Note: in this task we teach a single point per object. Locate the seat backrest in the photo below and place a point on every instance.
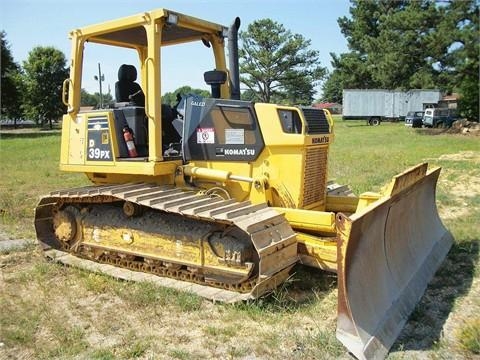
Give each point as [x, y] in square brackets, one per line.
[126, 86]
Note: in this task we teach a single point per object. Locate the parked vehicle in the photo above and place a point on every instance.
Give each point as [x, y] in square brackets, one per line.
[439, 117]
[414, 119]
[378, 105]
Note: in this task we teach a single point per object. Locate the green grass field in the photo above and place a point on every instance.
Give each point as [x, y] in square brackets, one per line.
[50, 311]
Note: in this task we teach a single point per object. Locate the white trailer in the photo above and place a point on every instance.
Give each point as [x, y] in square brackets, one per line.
[376, 105]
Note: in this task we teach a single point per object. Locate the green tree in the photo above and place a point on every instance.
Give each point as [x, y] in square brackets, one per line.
[350, 72]
[399, 56]
[248, 95]
[11, 85]
[407, 45]
[170, 98]
[277, 65]
[44, 72]
[459, 52]
[87, 99]
[388, 47]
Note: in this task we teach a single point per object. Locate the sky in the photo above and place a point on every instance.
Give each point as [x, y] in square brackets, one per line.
[30, 23]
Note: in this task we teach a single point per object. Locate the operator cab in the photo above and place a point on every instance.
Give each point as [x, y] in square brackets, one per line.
[130, 114]
[142, 56]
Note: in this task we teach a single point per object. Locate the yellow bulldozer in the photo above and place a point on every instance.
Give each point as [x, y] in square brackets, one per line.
[222, 197]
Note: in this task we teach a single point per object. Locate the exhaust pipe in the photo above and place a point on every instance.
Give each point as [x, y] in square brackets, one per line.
[233, 59]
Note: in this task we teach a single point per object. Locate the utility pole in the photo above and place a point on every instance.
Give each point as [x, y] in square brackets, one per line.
[100, 78]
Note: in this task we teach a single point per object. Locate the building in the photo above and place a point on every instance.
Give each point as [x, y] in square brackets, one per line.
[334, 108]
[449, 101]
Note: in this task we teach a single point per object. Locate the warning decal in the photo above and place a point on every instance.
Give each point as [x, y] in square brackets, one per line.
[205, 136]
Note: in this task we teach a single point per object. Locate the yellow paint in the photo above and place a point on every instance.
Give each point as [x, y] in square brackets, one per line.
[366, 199]
[168, 249]
[319, 222]
[345, 204]
[317, 252]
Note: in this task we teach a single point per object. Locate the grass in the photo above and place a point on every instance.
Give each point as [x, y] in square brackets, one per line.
[30, 170]
[51, 311]
[366, 157]
[469, 336]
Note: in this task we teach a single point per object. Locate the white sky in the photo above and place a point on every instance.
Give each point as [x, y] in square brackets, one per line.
[30, 23]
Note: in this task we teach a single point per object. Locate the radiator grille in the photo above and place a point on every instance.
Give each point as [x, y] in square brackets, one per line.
[317, 122]
[315, 176]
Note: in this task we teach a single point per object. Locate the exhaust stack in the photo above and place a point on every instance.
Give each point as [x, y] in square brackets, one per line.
[233, 59]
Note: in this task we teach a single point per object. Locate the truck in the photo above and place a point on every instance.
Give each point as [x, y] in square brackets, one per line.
[223, 197]
[377, 105]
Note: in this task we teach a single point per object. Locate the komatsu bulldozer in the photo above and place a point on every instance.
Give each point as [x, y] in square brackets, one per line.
[222, 197]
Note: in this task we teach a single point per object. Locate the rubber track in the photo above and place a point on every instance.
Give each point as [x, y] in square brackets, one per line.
[270, 233]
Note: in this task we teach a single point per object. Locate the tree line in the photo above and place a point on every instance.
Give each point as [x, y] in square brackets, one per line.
[395, 45]
[32, 90]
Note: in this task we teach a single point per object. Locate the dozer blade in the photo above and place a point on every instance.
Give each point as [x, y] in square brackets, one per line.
[387, 254]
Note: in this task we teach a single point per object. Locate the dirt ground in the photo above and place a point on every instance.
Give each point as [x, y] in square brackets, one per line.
[464, 187]
[459, 127]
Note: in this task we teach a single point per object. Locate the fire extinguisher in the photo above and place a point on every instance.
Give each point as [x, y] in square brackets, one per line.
[128, 136]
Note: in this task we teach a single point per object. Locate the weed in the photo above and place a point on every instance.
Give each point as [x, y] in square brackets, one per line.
[102, 354]
[68, 341]
[19, 321]
[180, 354]
[222, 333]
[188, 302]
[469, 335]
[325, 341]
[237, 351]
[137, 349]
[144, 294]
[97, 283]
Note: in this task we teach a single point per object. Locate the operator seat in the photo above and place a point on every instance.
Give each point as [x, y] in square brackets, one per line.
[126, 89]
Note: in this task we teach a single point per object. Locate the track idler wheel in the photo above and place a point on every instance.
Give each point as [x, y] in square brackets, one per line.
[66, 226]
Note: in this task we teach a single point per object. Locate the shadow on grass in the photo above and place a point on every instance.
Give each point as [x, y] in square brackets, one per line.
[452, 280]
[431, 131]
[305, 287]
[356, 125]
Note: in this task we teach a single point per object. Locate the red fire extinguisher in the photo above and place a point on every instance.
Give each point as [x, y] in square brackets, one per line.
[128, 136]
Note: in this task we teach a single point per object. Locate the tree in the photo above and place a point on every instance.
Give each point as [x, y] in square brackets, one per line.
[170, 98]
[350, 72]
[277, 65]
[45, 71]
[459, 53]
[387, 47]
[407, 45]
[11, 90]
[399, 56]
[88, 99]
